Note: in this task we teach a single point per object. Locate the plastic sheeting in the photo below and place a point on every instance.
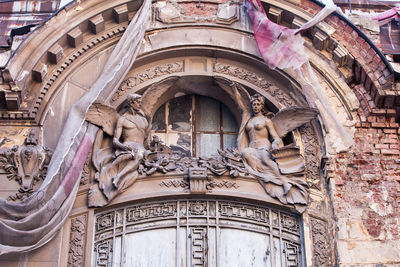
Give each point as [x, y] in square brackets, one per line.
[33, 222]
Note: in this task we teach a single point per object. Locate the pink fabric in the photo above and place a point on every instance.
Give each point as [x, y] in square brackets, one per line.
[74, 171]
[390, 14]
[283, 48]
[278, 45]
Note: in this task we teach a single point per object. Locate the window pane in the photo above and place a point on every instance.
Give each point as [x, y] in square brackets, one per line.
[229, 140]
[158, 122]
[238, 248]
[160, 252]
[207, 144]
[207, 114]
[179, 114]
[228, 121]
[180, 142]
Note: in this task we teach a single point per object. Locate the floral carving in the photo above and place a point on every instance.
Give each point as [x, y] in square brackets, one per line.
[321, 245]
[311, 150]
[253, 78]
[146, 75]
[77, 241]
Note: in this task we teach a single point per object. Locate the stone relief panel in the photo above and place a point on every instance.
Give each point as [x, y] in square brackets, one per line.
[282, 174]
[172, 12]
[313, 159]
[261, 153]
[25, 164]
[77, 243]
[148, 74]
[321, 246]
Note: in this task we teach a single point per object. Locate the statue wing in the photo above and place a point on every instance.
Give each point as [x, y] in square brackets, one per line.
[288, 119]
[103, 116]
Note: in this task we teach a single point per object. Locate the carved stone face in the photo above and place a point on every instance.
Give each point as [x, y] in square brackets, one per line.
[256, 106]
[136, 103]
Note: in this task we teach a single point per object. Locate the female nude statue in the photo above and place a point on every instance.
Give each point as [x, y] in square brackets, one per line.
[261, 134]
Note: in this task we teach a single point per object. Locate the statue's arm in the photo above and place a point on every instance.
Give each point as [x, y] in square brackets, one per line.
[118, 133]
[276, 140]
[238, 97]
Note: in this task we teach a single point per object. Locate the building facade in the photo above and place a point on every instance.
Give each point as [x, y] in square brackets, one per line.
[198, 190]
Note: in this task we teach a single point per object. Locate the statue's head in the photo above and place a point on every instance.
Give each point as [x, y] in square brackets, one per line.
[134, 101]
[257, 103]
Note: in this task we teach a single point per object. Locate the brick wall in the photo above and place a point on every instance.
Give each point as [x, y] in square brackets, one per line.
[366, 191]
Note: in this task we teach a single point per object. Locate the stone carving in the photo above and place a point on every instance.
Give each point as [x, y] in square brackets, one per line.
[263, 152]
[116, 166]
[77, 241]
[171, 12]
[311, 149]
[222, 184]
[253, 78]
[146, 75]
[226, 162]
[210, 184]
[85, 176]
[26, 164]
[321, 251]
[260, 153]
[175, 183]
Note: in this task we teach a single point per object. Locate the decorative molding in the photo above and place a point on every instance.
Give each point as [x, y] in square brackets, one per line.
[210, 185]
[77, 241]
[173, 13]
[53, 76]
[85, 176]
[312, 156]
[175, 183]
[221, 184]
[198, 246]
[148, 74]
[256, 80]
[321, 247]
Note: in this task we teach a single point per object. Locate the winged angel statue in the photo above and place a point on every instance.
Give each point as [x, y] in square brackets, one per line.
[116, 165]
[260, 143]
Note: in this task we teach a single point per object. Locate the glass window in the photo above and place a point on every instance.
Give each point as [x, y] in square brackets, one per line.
[195, 126]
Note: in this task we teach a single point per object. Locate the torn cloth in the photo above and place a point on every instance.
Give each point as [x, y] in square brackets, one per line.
[283, 48]
[33, 222]
[387, 16]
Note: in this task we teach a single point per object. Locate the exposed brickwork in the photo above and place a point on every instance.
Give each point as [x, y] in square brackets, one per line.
[368, 178]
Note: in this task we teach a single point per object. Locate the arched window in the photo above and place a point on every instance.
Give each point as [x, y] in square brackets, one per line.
[195, 125]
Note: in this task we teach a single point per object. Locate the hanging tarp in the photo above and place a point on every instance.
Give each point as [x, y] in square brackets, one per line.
[283, 48]
[31, 223]
[389, 30]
